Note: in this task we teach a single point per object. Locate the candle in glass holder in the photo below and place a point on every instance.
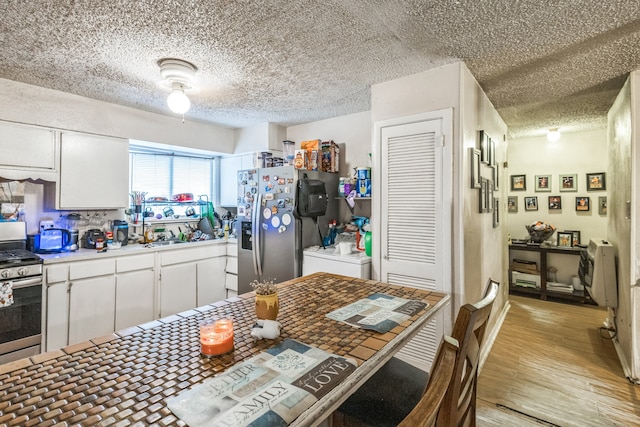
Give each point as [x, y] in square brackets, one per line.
[216, 336]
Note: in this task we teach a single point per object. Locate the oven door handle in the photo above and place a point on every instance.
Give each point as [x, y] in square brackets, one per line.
[23, 283]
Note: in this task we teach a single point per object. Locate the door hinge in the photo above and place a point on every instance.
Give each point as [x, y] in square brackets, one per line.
[440, 140]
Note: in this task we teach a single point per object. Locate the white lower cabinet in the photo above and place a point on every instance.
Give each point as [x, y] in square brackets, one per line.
[91, 298]
[191, 277]
[231, 270]
[92, 308]
[80, 301]
[135, 290]
[211, 280]
[178, 288]
[56, 278]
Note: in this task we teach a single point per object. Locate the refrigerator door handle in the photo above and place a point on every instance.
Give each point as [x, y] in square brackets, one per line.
[255, 234]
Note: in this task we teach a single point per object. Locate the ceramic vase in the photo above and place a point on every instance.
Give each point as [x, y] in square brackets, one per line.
[267, 306]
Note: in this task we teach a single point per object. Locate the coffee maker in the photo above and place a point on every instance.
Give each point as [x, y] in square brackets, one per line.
[120, 232]
[74, 241]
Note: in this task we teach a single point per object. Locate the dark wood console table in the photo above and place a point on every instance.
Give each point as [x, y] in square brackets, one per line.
[577, 295]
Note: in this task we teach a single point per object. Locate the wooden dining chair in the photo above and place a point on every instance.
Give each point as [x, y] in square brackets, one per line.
[424, 412]
[396, 389]
[459, 406]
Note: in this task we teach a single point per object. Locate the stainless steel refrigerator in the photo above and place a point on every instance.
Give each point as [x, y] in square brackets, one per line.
[271, 237]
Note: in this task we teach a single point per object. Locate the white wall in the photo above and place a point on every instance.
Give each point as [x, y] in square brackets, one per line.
[575, 153]
[634, 260]
[623, 128]
[483, 247]
[30, 104]
[352, 133]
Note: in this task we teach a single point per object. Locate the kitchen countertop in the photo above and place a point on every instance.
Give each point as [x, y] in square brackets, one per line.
[130, 249]
[126, 378]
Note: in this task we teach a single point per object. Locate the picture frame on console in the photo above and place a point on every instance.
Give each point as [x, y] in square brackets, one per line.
[565, 239]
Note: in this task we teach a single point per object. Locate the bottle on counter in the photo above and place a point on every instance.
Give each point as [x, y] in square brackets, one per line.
[332, 232]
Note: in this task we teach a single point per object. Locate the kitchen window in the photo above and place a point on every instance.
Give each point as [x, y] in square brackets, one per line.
[165, 174]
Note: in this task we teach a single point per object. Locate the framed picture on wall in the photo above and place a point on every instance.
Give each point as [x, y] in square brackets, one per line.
[543, 182]
[492, 153]
[596, 181]
[495, 173]
[565, 239]
[582, 204]
[602, 205]
[518, 182]
[569, 182]
[475, 167]
[489, 196]
[531, 203]
[484, 147]
[496, 213]
[482, 196]
[512, 204]
[555, 203]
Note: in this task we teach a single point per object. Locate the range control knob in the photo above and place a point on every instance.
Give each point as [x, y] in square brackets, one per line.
[22, 271]
[5, 274]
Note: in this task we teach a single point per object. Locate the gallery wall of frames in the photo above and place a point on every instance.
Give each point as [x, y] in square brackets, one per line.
[561, 183]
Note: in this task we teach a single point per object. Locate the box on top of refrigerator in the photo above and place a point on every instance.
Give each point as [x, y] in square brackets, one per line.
[311, 159]
[330, 159]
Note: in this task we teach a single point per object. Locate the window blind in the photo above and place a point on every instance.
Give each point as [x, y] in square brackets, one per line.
[162, 175]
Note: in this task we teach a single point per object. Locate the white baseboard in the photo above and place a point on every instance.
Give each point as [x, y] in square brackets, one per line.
[491, 338]
[626, 368]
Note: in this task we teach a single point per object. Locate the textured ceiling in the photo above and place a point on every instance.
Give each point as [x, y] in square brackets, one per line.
[544, 63]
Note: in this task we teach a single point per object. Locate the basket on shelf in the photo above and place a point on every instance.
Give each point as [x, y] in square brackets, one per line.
[540, 231]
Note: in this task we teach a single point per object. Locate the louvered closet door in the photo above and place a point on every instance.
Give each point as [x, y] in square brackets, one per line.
[414, 252]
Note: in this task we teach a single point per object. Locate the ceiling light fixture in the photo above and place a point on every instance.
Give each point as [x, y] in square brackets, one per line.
[553, 135]
[177, 101]
[178, 75]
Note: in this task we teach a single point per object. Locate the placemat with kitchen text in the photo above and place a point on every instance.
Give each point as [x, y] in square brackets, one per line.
[378, 312]
[270, 389]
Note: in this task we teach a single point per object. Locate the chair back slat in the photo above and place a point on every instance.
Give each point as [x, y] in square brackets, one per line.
[459, 404]
[425, 412]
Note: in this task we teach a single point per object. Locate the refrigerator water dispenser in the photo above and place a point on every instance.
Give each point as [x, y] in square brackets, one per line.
[246, 235]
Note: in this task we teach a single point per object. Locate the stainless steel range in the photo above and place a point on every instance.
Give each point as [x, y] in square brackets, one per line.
[20, 295]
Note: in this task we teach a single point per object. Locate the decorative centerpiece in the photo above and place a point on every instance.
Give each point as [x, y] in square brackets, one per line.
[540, 231]
[267, 305]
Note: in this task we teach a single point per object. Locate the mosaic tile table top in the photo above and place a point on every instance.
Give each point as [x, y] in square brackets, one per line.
[125, 378]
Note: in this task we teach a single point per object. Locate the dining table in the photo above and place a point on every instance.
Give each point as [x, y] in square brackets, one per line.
[131, 376]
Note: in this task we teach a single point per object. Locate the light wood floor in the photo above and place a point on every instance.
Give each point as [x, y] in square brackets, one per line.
[549, 367]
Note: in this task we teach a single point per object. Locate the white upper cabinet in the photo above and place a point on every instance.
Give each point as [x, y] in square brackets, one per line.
[94, 172]
[27, 152]
[229, 167]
